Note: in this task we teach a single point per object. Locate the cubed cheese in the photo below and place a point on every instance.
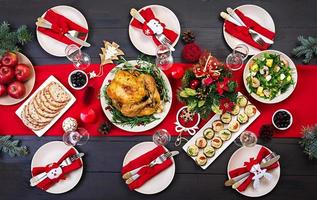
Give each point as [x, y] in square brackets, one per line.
[269, 62]
[282, 76]
[268, 78]
[259, 91]
[255, 67]
[289, 78]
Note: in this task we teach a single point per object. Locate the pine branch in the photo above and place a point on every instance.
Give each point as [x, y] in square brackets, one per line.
[307, 48]
[12, 147]
[13, 40]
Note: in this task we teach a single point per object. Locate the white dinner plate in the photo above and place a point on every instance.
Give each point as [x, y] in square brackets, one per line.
[145, 43]
[257, 14]
[159, 182]
[55, 47]
[52, 152]
[140, 128]
[280, 97]
[243, 155]
[7, 100]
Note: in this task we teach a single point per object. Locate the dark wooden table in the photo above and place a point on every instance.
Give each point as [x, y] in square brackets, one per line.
[101, 179]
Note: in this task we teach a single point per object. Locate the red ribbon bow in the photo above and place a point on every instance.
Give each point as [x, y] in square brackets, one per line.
[148, 15]
[60, 26]
[47, 182]
[146, 173]
[242, 32]
[247, 167]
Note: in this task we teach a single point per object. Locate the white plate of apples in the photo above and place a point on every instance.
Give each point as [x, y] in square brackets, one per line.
[17, 78]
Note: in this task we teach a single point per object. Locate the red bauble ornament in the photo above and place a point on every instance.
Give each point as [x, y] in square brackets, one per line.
[194, 84]
[88, 115]
[177, 72]
[191, 52]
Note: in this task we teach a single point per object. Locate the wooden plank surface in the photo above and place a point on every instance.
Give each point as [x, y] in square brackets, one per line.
[109, 20]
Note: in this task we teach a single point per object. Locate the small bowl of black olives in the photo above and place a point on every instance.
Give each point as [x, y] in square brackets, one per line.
[78, 79]
[282, 119]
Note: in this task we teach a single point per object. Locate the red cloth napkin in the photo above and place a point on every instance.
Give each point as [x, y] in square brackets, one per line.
[243, 34]
[247, 167]
[47, 183]
[60, 26]
[148, 14]
[146, 173]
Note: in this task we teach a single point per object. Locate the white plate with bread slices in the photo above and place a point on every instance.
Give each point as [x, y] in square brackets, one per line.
[45, 106]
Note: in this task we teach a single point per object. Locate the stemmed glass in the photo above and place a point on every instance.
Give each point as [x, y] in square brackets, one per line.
[164, 58]
[76, 137]
[234, 60]
[79, 59]
[246, 139]
[161, 137]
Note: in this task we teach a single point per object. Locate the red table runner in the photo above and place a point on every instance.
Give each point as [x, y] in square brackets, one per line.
[301, 104]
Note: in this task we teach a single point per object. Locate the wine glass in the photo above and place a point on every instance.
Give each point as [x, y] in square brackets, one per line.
[246, 139]
[161, 137]
[164, 58]
[79, 59]
[76, 137]
[234, 60]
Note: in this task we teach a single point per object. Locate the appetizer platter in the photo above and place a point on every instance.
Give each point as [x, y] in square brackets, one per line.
[17, 78]
[46, 105]
[270, 76]
[220, 131]
[136, 96]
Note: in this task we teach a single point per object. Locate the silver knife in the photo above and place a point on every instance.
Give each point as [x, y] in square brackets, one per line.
[135, 174]
[40, 177]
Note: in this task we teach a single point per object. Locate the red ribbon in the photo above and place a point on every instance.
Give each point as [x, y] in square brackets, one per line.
[148, 14]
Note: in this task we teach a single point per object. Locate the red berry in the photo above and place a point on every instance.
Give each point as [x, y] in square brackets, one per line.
[194, 84]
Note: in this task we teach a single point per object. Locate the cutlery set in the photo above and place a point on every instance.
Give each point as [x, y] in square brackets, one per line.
[68, 161]
[232, 17]
[73, 35]
[266, 162]
[132, 175]
[160, 37]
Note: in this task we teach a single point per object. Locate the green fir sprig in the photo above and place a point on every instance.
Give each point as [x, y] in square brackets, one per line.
[307, 48]
[13, 40]
[12, 147]
[309, 141]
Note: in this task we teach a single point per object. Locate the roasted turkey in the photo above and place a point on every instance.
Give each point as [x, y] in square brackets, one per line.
[135, 94]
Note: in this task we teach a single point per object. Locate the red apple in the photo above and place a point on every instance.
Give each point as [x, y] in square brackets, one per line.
[6, 74]
[88, 115]
[16, 90]
[3, 90]
[22, 72]
[9, 59]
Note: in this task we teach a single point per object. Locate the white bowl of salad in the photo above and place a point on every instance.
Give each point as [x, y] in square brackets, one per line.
[270, 76]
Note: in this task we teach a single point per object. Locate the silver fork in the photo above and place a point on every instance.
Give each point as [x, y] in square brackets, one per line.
[159, 160]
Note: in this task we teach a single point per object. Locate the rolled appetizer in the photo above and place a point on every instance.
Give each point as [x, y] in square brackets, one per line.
[225, 135]
[216, 142]
[201, 160]
[243, 118]
[209, 133]
[250, 110]
[226, 118]
[234, 126]
[201, 142]
[217, 125]
[242, 101]
[192, 150]
[235, 110]
[209, 151]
